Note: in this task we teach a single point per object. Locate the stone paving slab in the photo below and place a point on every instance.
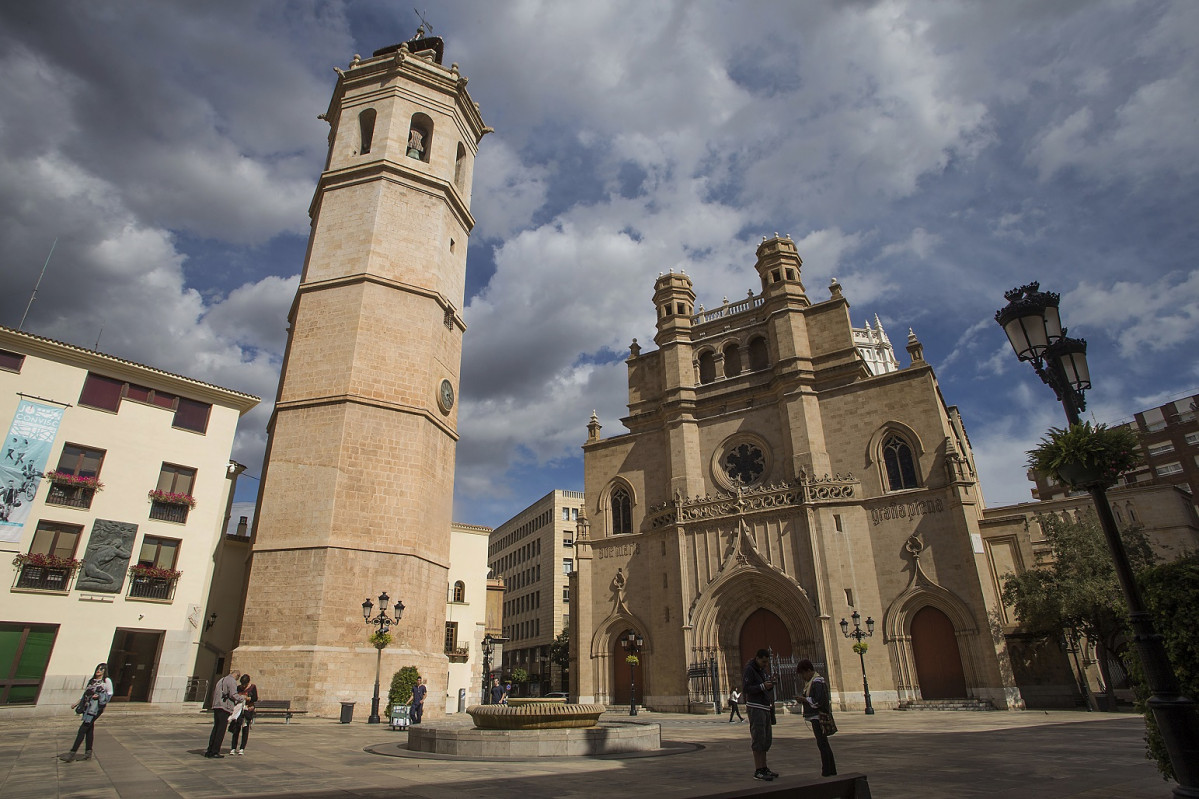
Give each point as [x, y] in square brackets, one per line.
[930, 755]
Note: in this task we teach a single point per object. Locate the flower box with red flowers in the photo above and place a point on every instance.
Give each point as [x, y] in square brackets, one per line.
[69, 480]
[45, 561]
[154, 572]
[171, 498]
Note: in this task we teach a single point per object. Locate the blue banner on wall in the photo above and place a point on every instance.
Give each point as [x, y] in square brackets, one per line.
[22, 460]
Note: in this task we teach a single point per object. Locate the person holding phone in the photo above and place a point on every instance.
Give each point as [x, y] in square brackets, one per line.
[758, 688]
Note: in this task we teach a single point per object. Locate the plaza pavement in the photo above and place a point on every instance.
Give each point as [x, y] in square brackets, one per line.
[931, 755]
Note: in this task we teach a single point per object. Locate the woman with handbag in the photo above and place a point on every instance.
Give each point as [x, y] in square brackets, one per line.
[818, 710]
[96, 694]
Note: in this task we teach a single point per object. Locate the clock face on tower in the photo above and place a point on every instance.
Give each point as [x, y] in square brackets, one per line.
[445, 396]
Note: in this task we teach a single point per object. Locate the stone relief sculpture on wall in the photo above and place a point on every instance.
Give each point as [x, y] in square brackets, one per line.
[107, 556]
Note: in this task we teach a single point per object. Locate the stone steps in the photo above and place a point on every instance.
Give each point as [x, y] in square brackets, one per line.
[945, 704]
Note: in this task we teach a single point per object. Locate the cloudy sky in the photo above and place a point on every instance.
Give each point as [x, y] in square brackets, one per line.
[929, 155]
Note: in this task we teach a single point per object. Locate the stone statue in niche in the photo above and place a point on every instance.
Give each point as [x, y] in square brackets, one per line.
[107, 556]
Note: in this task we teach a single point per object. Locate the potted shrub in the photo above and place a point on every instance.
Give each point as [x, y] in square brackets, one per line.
[172, 498]
[154, 572]
[45, 561]
[68, 480]
[1083, 456]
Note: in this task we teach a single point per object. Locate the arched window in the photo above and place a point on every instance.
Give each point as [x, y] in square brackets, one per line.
[759, 357]
[459, 591]
[622, 512]
[460, 166]
[900, 464]
[707, 367]
[732, 360]
[366, 126]
[1132, 514]
[420, 137]
[1118, 514]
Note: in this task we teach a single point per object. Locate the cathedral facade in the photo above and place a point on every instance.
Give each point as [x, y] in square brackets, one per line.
[780, 472]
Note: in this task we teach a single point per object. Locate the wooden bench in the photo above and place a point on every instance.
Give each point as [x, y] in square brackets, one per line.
[275, 708]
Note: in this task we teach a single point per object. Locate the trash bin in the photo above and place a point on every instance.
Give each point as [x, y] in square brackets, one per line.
[347, 712]
[461, 700]
[400, 717]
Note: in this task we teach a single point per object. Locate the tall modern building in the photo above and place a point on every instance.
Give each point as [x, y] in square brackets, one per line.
[534, 554]
[1169, 436]
[779, 472]
[357, 489]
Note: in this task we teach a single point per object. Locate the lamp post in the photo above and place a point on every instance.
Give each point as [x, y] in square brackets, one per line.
[860, 648]
[489, 642]
[632, 644]
[1034, 329]
[383, 622]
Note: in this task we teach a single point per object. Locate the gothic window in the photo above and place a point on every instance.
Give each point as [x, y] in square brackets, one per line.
[900, 464]
[759, 357]
[420, 137]
[366, 124]
[707, 367]
[459, 591]
[744, 464]
[622, 512]
[732, 360]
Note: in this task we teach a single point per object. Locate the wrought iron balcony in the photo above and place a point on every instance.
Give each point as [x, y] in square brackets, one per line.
[142, 586]
[169, 512]
[70, 496]
[44, 578]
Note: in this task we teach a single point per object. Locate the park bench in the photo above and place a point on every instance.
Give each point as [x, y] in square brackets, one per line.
[275, 708]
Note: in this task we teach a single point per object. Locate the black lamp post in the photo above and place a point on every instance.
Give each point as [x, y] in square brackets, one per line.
[632, 644]
[383, 622]
[858, 635]
[489, 642]
[1034, 328]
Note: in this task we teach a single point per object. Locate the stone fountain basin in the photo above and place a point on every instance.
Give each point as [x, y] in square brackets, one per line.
[535, 714]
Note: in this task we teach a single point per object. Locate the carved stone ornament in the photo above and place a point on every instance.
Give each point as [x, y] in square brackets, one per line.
[107, 558]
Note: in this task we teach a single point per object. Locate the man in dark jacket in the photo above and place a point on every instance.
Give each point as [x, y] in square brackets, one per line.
[224, 699]
[758, 688]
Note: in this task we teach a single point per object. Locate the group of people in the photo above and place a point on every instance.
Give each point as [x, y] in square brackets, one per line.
[233, 701]
[235, 695]
[757, 693]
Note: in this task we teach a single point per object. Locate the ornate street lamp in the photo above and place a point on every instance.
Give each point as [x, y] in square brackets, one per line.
[632, 644]
[1033, 326]
[860, 648]
[489, 642]
[380, 639]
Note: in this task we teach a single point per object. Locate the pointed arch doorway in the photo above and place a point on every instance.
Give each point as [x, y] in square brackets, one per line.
[623, 674]
[938, 659]
[763, 630]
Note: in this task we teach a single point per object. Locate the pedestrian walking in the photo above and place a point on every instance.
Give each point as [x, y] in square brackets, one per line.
[224, 701]
[96, 693]
[240, 722]
[419, 691]
[818, 711]
[498, 696]
[734, 698]
[758, 687]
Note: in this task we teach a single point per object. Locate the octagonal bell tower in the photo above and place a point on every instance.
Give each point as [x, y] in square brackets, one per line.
[357, 489]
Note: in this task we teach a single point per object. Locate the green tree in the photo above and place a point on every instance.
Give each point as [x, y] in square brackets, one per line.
[560, 655]
[1078, 592]
[402, 683]
[1171, 594]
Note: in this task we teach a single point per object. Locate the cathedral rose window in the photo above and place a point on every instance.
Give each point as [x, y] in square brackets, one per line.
[743, 460]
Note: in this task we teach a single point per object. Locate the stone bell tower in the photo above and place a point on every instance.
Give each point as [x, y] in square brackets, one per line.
[357, 489]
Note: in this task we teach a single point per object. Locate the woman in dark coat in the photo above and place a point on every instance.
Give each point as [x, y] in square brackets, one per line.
[817, 700]
[96, 694]
[247, 696]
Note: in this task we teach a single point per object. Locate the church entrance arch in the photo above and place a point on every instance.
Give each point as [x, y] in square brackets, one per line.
[937, 658]
[623, 674]
[764, 630]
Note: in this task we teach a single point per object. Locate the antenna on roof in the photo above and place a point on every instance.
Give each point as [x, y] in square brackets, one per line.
[33, 296]
[425, 28]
